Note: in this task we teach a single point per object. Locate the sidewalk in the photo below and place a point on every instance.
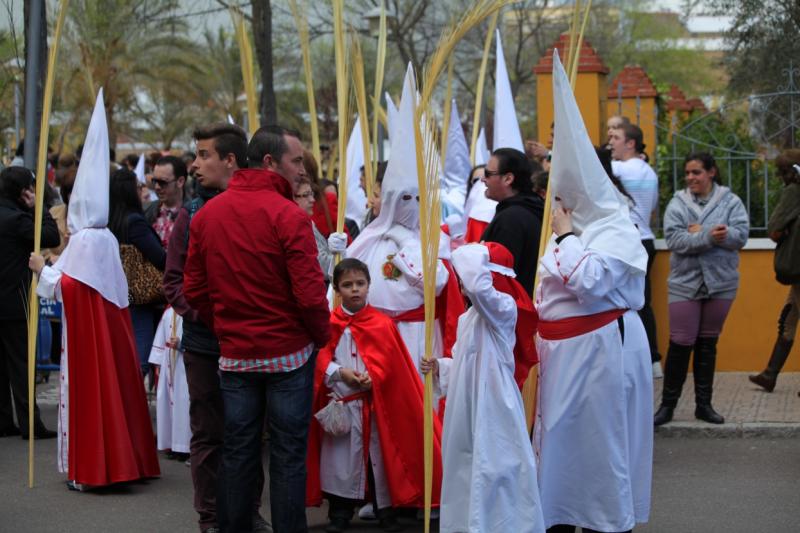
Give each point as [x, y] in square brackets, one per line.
[748, 410]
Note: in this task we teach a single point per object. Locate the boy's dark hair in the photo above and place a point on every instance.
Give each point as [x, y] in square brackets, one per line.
[228, 139]
[13, 180]
[515, 162]
[349, 265]
[268, 140]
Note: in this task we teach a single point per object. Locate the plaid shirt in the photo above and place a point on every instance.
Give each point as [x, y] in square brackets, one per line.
[268, 365]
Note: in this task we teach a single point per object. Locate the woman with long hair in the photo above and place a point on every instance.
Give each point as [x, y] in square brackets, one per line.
[126, 221]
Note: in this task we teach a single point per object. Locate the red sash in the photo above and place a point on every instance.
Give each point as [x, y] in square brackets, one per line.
[415, 315]
[567, 328]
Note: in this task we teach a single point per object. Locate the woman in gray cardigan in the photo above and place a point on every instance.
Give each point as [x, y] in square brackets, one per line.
[705, 225]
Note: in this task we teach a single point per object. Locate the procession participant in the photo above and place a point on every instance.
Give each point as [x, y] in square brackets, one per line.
[378, 455]
[391, 248]
[490, 480]
[105, 434]
[172, 393]
[594, 421]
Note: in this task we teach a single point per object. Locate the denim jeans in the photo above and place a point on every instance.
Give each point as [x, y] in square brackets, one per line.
[143, 332]
[285, 399]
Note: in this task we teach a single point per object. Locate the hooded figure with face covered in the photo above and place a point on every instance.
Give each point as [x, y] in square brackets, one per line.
[594, 425]
[391, 247]
[105, 434]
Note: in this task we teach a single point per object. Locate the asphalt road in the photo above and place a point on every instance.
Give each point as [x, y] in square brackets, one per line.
[699, 486]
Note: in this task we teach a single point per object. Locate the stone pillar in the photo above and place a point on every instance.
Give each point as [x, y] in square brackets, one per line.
[590, 90]
[632, 94]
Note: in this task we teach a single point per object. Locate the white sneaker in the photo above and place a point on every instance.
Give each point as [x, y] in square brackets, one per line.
[367, 512]
[657, 372]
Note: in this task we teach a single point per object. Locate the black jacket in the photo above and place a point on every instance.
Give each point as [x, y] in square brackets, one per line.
[517, 225]
[16, 245]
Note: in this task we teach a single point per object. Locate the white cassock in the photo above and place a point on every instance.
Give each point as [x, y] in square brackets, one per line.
[489, 472]
[49, 286]
[395, 268]
[172, 394]
[594, 427]
[342, 468]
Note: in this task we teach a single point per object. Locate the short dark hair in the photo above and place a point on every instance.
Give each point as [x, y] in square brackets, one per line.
[381, 172]
[708, 162]
[228, 139]
[268, 140]
[177, 164]
[632, 132]
[349, 265]
[515, 162]
[13, 180]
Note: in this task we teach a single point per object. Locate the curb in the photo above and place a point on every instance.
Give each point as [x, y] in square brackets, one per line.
[728, 431]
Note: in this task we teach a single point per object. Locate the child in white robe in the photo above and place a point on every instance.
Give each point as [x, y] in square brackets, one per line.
[172, 394]
[489, 471]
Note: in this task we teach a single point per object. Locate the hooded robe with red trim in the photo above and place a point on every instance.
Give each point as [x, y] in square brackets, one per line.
[396, 405]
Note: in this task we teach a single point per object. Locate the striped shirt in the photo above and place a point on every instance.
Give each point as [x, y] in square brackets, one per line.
[269, 364]
[641, 183]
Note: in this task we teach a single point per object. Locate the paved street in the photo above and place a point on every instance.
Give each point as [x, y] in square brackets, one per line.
[701, 484]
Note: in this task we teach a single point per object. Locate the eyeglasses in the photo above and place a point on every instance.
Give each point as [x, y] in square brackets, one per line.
[309, 194]
[408, 197]
[489, 173]
[160, 182]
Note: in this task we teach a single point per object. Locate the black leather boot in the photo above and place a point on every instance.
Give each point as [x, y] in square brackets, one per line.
[766, 379]
[675, 368]
[705, 360]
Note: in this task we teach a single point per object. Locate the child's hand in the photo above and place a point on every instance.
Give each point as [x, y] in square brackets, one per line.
[366, 381]
[173, 342]
[36, 263]
[429, 365]
[351, 377]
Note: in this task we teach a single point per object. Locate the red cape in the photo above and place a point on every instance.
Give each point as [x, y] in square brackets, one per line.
[451, 303]
[475, 229]
[110, 432]
[397, 405]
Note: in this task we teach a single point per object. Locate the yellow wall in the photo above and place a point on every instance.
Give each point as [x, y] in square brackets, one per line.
[751, 327]
[590, 93]
[647, 118]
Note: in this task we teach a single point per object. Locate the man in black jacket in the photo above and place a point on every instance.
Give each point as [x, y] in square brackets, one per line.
[16, 243]
[517, 223]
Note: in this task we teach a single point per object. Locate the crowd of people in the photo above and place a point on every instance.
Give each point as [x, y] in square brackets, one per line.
[213, 279]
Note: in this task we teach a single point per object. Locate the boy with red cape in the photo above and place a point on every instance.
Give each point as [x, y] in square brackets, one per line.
[105, 434]
[366, 366]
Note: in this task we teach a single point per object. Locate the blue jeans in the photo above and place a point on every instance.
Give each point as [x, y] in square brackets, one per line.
[285, 399]
[143, 332]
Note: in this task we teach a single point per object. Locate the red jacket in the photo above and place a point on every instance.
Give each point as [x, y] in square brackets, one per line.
[252, 271]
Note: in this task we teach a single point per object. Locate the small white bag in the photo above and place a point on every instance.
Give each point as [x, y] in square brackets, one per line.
[334, 418]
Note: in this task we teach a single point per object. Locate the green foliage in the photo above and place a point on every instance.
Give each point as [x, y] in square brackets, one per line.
[725, 136]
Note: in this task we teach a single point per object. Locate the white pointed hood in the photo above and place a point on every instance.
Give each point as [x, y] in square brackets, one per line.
[400, 178]
[92, 253]
[481, 150]
[600, 215]
[391, 116]
[456, 164]
[139, 170]
[88, 205]
[478, 207]
[356, 198]
[506, 126]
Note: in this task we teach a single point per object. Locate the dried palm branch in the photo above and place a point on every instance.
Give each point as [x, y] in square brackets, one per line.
[301, 22]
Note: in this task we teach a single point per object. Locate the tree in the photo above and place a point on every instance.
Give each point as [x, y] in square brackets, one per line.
[763, 38]
[124, 46]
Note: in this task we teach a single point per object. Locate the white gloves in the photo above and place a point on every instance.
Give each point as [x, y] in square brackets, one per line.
[337, 242]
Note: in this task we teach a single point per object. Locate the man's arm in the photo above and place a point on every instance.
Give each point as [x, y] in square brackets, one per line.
[195, 279]
[176, 260]
[305, 275]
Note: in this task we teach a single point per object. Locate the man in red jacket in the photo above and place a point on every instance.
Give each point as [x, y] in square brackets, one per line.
[253, 276]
